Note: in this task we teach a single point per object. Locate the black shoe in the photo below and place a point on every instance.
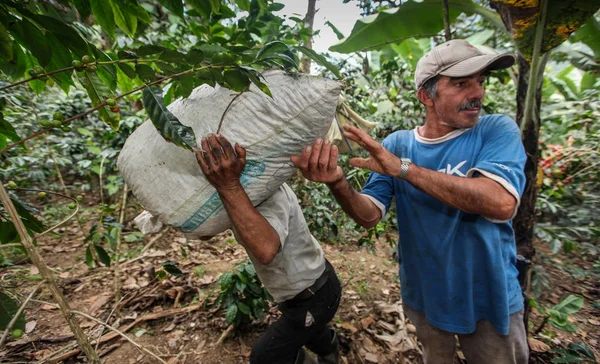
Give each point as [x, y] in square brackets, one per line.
[303, 358]
[334, 351]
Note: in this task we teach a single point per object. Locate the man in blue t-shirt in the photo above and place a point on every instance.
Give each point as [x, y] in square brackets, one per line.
[457, 182]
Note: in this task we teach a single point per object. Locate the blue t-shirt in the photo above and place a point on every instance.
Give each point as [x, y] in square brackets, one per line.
[457, 267]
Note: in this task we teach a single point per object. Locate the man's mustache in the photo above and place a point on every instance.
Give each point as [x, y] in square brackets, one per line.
[470, 105]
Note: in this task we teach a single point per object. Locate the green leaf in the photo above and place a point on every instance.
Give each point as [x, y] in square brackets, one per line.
[145, 72]
[276, 7]
[103, 13]
[127, 70]
[255, 77]
[89, 258]
[65, 33]
[410, 20]
[215, 6]
[6, 49]
[570, 305]
[236, 80]
[201, 6]
[231, 314]
[7, 129]
[86, 132]
[96, 90]
[25, 212]
[8, 233]
[34, 40]
[337, 32]
[147, 50]
[243, 4]
[273, 47]
[171, 268]
[124, 20]
[83, 8]
[175, 6]
[165, 122]
[8, 309]
[320, 60]
[102, 255]
[61, 58]
[106, 72]
[15, 68]
[244, 308]
[226, 281]
[134, 8]
[568, 358]
[589, 33]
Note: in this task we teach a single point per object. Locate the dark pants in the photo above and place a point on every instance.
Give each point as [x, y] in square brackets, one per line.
[283, 340]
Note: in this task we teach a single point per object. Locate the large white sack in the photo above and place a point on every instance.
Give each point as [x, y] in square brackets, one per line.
[167, 179]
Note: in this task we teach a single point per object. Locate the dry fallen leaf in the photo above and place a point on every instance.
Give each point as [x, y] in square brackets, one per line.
[594, 322]
[348, 326]
[34, 270]
[30, 326]
[538, 346]
[371, 358]
[48, 308]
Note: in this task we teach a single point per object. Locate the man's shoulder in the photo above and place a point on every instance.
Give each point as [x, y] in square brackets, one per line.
[498, 122]
[398, 136]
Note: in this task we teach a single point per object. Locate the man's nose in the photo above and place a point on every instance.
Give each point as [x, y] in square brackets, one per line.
[477, 91]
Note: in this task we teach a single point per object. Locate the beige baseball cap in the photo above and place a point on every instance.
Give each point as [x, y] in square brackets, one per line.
[458, 58]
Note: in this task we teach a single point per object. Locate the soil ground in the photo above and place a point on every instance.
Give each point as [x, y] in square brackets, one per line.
[369, 320]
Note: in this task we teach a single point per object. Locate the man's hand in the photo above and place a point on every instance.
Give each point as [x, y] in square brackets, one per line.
[381, 161]
[318, 163]
[221, 166]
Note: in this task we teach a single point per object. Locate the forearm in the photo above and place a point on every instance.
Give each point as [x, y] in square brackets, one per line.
[481, 196]
[359, 207]
[256, 232]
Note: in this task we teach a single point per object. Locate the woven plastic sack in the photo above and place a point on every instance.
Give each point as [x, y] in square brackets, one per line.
[167, 179]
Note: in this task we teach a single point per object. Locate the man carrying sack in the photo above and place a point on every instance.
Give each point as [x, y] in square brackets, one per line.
[457, 182]
[287, 258]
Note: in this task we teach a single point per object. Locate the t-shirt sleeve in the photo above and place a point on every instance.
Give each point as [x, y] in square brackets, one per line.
[380, 188]
[502, 158]
[276, 210]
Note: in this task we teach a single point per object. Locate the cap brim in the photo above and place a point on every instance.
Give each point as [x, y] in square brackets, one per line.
[477, 64]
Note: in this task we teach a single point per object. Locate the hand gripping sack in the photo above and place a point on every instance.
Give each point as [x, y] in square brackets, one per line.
[167, 179]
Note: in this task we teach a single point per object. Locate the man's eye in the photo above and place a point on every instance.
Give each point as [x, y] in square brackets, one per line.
[460, 84]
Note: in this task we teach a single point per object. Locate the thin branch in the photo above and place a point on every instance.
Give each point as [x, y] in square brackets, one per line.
[120, 333]
[44, 75]
[446, 20]
[99, 106]
[118, 245]
[48, 276]
[11, 245]
[8, 328]
[229, 106]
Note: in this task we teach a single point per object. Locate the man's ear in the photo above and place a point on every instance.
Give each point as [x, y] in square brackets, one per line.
[424, 97]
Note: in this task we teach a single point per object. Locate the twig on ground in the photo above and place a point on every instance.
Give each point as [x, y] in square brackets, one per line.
[120, 333]
[112, 335]
[8, 328]
[224, 335]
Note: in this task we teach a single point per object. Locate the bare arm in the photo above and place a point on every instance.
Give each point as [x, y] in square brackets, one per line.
[222, 168]
[318, 163]
[482, 195]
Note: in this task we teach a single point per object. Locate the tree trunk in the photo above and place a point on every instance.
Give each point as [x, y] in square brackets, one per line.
[309, 21]
[526, 216]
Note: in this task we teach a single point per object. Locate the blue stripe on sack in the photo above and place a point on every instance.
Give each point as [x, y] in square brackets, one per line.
[214, 205]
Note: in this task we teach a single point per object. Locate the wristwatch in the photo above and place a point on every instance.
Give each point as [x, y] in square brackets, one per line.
[405, 163]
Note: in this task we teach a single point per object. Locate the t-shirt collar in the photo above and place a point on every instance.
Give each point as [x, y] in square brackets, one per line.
[449, 136]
